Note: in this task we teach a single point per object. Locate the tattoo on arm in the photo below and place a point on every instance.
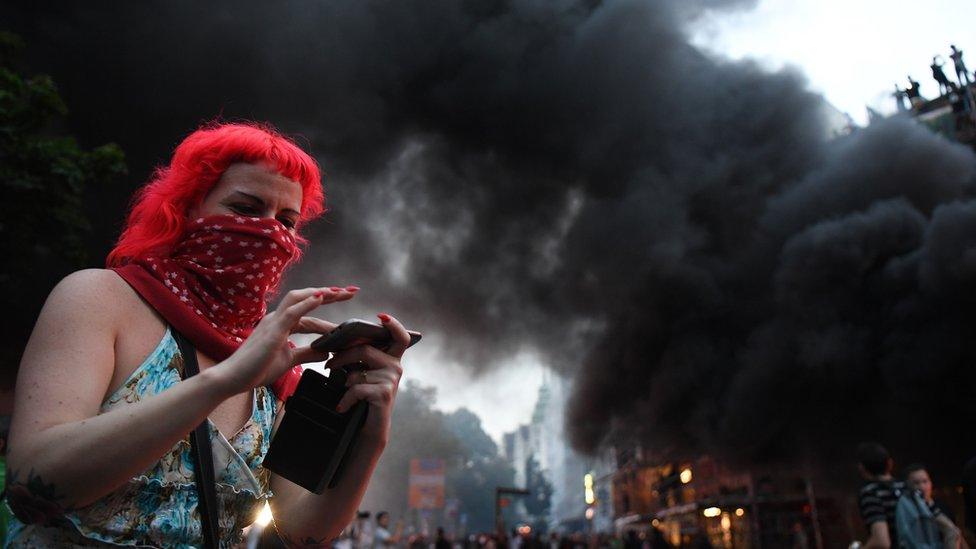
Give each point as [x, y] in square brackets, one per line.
[32, 500]
[307, 542]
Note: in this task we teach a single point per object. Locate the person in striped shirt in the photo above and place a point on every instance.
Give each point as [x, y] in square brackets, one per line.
[878, 497]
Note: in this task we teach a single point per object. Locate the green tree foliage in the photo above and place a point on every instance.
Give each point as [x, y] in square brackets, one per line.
[474, 480]
[417, 432]
[43, 223]
[474, 467]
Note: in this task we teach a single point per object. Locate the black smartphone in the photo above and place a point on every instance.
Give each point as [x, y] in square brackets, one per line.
[358, 332]
[312, 441]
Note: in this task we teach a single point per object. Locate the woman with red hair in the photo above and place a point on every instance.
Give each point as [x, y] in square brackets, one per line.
[99, 451]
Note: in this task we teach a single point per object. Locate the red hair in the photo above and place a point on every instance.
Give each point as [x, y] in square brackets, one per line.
[158, 215]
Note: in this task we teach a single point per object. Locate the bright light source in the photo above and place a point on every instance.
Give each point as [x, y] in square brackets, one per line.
[589, 513]
[589, 496]
[712, 512]
[525, 530]
[685, 476]
[264, 517]
[740, 511]
[655, 522]
[726, 522]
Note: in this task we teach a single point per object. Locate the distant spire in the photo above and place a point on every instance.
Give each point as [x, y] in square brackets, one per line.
[539, 413]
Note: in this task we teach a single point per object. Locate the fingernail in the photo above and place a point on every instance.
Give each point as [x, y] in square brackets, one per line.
[335, 288]
[339, 408]
[383, 317]
[352, 288]
[318, 294]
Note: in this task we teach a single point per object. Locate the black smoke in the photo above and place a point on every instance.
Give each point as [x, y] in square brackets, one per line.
[672, 228]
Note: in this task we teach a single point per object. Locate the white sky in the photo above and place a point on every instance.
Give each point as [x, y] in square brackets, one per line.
[852, 51]
[503, 398]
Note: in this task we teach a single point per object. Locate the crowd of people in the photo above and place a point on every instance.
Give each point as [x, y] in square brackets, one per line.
[380, 534]
[897, 512]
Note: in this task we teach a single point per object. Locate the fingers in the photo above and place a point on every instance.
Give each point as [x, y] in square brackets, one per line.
[370, 357]
[357, 377]
[401, 339]
[289, 316]
[312, 325]
[296, 296]
[329, 295]
[306, 354]
[380, 394]
[297, 303]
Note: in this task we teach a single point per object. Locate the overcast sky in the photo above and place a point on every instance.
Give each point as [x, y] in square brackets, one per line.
[852, 51]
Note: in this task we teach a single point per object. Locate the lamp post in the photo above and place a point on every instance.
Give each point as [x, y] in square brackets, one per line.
[499, 492]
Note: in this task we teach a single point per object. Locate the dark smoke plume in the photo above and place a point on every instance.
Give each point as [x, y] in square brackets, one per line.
[575, 177]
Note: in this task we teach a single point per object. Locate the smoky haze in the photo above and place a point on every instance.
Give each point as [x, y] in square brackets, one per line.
[673, 229]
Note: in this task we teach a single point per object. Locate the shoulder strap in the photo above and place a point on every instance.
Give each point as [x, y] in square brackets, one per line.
[203, 465]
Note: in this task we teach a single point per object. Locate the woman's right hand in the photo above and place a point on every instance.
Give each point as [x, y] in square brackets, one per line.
[266, 353]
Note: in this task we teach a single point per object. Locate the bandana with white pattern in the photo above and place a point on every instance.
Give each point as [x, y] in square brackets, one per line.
[224, 270]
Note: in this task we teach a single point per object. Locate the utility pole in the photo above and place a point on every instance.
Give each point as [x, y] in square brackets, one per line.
[814, 516]
[499, 492]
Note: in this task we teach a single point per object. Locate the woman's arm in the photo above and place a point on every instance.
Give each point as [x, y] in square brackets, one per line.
[304, 519]
[64, 454]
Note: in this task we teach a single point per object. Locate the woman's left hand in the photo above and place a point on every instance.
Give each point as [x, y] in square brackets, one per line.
[377, 379]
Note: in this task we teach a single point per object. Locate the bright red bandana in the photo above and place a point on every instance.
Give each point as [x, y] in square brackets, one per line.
[214, 286]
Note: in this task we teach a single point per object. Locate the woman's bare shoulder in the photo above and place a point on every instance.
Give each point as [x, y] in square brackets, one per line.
[93, 280]
[91, 291]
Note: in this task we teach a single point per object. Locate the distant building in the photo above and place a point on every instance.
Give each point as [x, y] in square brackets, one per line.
[688, 500]
[544, 439]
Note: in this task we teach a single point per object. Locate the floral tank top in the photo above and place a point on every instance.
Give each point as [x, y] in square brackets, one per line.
[158, 508]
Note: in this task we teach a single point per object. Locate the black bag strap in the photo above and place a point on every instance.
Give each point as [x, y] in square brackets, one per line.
[203, 465]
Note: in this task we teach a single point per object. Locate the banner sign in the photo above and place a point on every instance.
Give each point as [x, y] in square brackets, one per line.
[426, 483]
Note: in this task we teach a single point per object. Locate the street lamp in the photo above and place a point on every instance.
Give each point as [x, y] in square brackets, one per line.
[589, 496]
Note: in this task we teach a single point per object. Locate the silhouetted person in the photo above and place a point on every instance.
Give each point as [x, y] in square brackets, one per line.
[940, 75]
[913, 92]
[900, 96]
[961, 73]
[800, 538]
[878, 497]
[657, 540]
[969, 493]
[441, 542]
[382, 537]
[632, 541]
[701, 541]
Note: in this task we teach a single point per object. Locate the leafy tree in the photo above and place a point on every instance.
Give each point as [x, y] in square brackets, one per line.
[475, 480]
[43, 177]
[417, 432]
[466, 426]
